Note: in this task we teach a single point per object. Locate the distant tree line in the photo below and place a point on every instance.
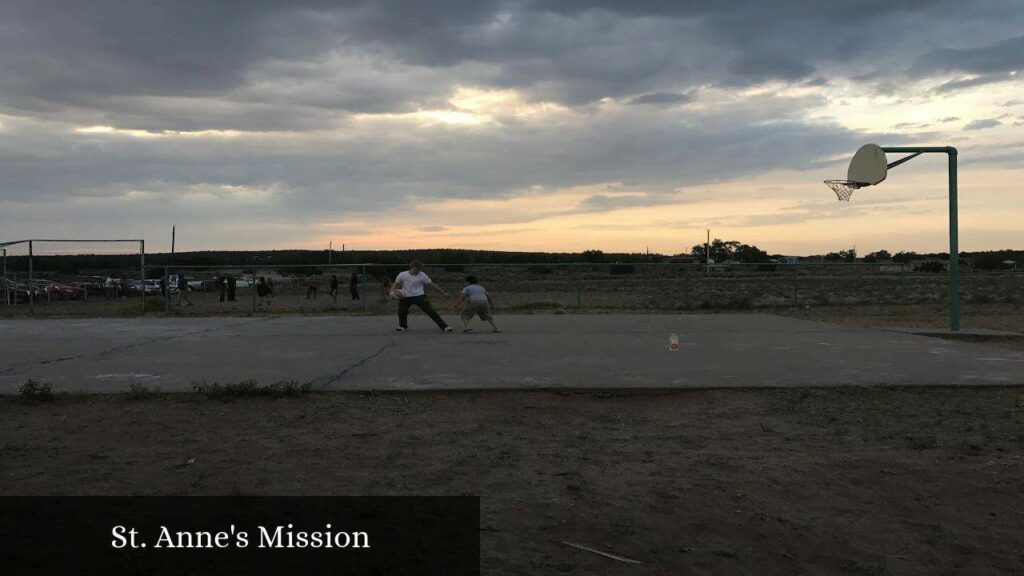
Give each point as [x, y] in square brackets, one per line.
[279, 260]
[728, 251]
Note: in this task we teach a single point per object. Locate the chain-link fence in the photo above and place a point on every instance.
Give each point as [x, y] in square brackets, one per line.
[73, 276]
[362, 288]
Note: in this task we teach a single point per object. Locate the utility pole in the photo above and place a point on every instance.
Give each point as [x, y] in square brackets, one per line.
[330, 252]
[707, 254]
[167, 273]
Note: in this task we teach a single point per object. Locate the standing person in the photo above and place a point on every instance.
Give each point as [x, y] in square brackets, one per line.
[263, 290]
[353, 285]
[232, 286]
[412, 284]
[478, 303]
[334, 287]
[222, 287]
[124, 285]
[183, 290]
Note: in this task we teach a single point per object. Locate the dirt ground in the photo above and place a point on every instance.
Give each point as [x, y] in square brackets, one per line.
[840, 481]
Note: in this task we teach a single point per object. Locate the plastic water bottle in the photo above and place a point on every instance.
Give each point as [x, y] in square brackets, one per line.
[673, 342]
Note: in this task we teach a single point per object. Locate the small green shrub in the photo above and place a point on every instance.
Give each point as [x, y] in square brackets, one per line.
[137, 391]
[35, 392]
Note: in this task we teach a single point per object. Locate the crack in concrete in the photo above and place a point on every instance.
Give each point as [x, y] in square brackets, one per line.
[14, 368]
[325, 381]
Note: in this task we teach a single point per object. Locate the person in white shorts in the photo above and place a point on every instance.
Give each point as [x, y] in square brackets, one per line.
[478, 303]
[413, 283]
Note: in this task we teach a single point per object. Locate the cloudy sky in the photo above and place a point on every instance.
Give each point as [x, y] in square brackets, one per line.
[508, 124]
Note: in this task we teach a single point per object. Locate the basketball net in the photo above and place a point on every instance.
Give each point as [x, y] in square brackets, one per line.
[844, 188]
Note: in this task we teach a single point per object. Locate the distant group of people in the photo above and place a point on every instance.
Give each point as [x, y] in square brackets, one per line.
[409, 288]
[353, 287]
[227, 286]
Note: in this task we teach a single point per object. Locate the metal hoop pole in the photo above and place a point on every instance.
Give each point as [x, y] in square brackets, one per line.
[31, 292]
[142, 273]
[954, 251]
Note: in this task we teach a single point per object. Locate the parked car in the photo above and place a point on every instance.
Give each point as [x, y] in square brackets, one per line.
[193, 284]
[50, 290]
[17, 292]
[93, 285]
[149, 286]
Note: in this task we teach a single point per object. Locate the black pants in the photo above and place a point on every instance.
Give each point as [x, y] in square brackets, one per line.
[421, 301]
[354, 290]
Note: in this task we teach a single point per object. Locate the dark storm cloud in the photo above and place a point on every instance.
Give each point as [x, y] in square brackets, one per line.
[62, 51]
[293, 77]
[662, 98]
[1001, 57]
[80, 54]
[997, 62]
[603, 202]
[957, 85]
[982, 123]
[370, 170]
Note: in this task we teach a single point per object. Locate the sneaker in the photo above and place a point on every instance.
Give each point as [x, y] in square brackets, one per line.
[496, 331]
[447, 329]
[400, 329]
[467, 330]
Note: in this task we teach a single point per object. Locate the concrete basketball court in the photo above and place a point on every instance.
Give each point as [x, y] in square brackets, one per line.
[534, 351]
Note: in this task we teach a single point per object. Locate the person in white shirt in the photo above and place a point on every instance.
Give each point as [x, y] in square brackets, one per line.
[478, 303]
[412, 284]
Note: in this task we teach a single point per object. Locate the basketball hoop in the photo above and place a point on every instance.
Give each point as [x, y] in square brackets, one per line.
[867, 168]
[844, 188]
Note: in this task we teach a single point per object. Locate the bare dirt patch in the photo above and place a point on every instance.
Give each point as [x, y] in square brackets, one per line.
[849, 481]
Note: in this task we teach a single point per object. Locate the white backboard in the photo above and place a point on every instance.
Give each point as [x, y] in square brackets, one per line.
[868, 165]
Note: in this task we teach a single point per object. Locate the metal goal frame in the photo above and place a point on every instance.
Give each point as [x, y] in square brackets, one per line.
[33, 241]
